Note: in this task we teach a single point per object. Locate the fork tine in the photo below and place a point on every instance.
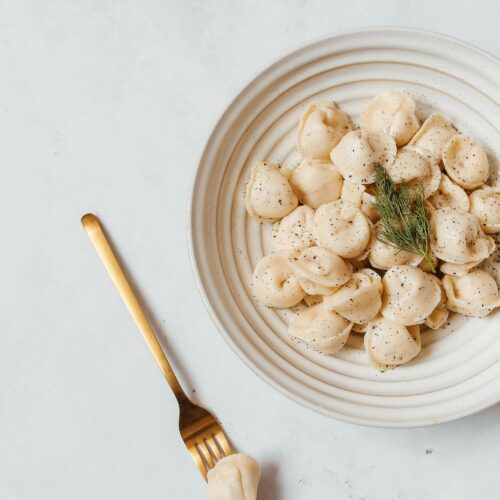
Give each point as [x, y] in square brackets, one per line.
[221, 439]
[213, 449]
[205, 454]
[198, 460]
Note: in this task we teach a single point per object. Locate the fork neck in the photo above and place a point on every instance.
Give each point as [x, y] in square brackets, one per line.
[174, 384]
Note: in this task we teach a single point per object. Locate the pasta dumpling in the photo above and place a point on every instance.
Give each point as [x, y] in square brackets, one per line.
[360, 195]
[320, 129]
[391, 112]
[379, 251]
[492, 266]
[321, 328]
[234, 477]
[360, 299]
[457, 238]
[312, 288]
[475, 294]
[384, 256]
[319, 270]
[269, 195]
[485, 205]
[295, 229]
[439, 316]
[316, 182]
[312, 300]
[465, 162]
[432, 136]
[390, 344]
[357, 153]
[458, 269]
[274, 283]
[415, 170]
[410, 295]
[342, 227]
[450, 195]
[358, 328]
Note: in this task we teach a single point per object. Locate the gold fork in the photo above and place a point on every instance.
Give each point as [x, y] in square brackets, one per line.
[200, 431]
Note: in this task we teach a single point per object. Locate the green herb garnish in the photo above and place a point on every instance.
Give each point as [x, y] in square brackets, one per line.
[403, 218]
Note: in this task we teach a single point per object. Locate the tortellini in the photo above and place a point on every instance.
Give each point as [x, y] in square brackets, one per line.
[312, 288]
[432, 137]
[358, 328]
[360, 299]
[391, 112]
[475, 294]
[316, 182]
[274, 283]
[358, 152]
[415, 170]
[320, 129]
[235, 477]
[485, 205]
[492, 266]
[465, 162]
[321, 328]
[360, 195]
[319, 270]
[410, 295]
[269, 195]
[295, 229]
[384, 256]
[439, 316]
[458, 269]
[328, 261]
[457, 238]
[450, 195]
[343, 228]
[312, 300]
[389, 344]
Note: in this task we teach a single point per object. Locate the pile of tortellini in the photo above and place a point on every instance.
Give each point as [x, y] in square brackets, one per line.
[325, 228]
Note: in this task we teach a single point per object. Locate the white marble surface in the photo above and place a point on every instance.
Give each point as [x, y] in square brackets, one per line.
[105, 106]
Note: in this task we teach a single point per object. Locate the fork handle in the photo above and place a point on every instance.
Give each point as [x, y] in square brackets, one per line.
[94, 231]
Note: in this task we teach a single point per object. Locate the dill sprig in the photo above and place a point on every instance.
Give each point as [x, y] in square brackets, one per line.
[403, 218]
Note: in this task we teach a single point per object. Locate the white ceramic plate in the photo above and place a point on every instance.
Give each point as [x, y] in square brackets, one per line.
[458, 371]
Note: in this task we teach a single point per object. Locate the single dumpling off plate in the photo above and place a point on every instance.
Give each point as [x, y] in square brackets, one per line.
[458, 370]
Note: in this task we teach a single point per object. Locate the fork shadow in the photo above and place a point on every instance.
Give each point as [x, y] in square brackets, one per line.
[182, 374]
[270, 483]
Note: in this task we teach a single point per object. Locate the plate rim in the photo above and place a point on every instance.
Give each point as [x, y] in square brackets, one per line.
[194, 252]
